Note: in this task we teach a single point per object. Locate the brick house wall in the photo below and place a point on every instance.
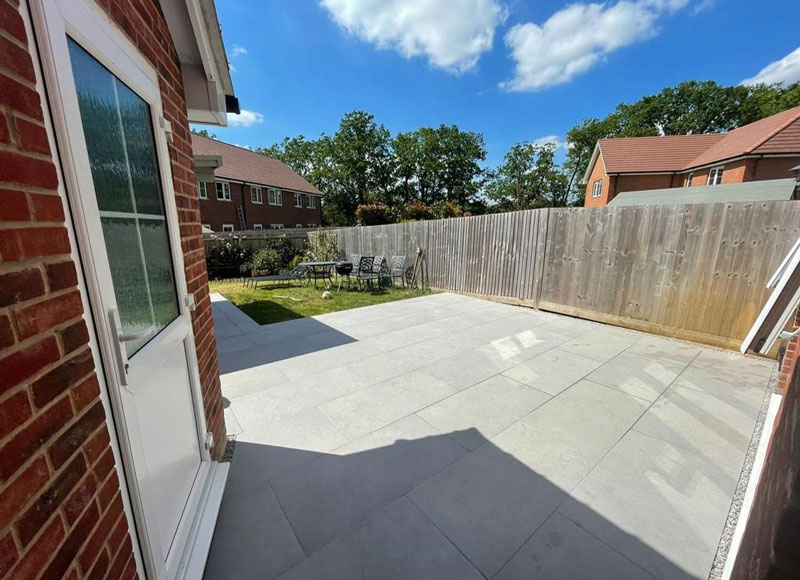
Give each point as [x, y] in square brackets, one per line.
[61, 506]
[770, 546]
[640, 182]
[215, 212]
[775, 167]
[607, 192]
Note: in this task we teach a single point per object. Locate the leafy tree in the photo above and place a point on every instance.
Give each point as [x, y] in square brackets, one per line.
[374, 214]
[204, 133]
[529, 177]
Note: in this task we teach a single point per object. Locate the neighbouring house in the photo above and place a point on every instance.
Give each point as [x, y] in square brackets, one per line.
[111, 416]
[764, 150]
[240, 189]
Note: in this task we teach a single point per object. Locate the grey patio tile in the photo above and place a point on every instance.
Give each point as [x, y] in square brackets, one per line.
[665, 349]
[374, 407]
[226, 330]
[566, 437]
[560, 550]
[240, 383]
[459, 375]
[327, 496]
[254, 464]
[252, 538]
[553, 371]
[489, 407]
[307, 430]
[397, 543]
[487, 504]
[729, 375]
[636, 375]
[717, 428]
[234, 343]
[661, 506]
[601, 343]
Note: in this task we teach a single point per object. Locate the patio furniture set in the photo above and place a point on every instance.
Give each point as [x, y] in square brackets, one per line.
[363, 269]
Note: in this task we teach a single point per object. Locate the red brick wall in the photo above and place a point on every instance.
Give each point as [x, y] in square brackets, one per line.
[607, 192]
[215, 212]
[642, 182]
[775, 167]
[61, 513]
[771, 544]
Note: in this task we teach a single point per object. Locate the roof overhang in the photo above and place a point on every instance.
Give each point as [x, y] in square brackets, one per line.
[207, 84]
[204, 165]
[592, 161]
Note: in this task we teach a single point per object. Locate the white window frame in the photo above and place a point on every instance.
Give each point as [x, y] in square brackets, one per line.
[276, 226]
[227, 228]
[275, 196]
[202, 190]
[258, 227]
[256, 196]
[298, 226]
[311, 202]
[597, 188]
[716, 172]
[298, 200]
[689, 178]
[313, 225]
[207, 226]
[223, 188]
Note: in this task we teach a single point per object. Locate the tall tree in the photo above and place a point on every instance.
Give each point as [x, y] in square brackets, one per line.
[528, 178]
[362, 161]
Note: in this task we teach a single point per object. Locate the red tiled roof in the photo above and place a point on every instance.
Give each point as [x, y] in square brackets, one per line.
[245, 165]
[645, 154]
[779, 133]
[776, 134]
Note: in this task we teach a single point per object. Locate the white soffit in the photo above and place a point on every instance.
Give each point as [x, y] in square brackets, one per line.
[780, 306]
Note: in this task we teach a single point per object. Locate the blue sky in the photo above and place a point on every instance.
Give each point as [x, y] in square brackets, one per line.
[513, 70]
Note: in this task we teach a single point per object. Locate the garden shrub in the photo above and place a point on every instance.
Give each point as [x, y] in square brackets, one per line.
[284, 248]
[445, 209]
[323, 246]
[417, 210]
[267, 261]
[374, 214]
[227, 257]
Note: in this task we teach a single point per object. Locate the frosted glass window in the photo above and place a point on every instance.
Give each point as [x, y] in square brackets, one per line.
[118, 129]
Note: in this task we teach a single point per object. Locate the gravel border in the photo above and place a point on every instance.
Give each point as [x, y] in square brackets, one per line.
[744, 479]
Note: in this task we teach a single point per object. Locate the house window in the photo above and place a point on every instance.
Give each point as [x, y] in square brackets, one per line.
[311, 202]
[298, 200]
[275, 197]
[689, 180]
[298, 226]
[206, 226]
[597, 188]
[223, 191]
[276, 226]
[227, 227]
[715, 176]
[312, 225]
[258, 227]
[255, 195]
[202, 190]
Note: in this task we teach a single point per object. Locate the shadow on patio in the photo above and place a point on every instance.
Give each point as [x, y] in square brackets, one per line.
[451, 437]
[374, 513]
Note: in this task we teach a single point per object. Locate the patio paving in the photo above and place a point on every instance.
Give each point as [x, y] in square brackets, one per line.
[451, 437]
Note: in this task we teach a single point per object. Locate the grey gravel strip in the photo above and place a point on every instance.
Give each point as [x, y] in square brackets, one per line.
[744, 478]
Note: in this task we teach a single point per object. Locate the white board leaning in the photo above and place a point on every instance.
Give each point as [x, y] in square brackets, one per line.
[780, 306]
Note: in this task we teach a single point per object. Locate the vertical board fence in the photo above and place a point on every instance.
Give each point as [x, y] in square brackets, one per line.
[690, 271]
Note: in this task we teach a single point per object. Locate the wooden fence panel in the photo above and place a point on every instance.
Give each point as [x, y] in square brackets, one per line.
[690, 271]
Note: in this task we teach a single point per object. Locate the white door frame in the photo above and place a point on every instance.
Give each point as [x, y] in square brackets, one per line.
[89, 26]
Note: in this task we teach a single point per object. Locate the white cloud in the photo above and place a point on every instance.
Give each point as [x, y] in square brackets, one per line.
[245, 118]
[785, 70]
[452, 34]
[578, 37]
[554, 139]
[237, 50]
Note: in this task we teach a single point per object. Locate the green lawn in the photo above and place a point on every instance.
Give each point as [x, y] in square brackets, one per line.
[270, 304]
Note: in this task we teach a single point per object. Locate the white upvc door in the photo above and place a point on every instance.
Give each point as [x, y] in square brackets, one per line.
[106, 106]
